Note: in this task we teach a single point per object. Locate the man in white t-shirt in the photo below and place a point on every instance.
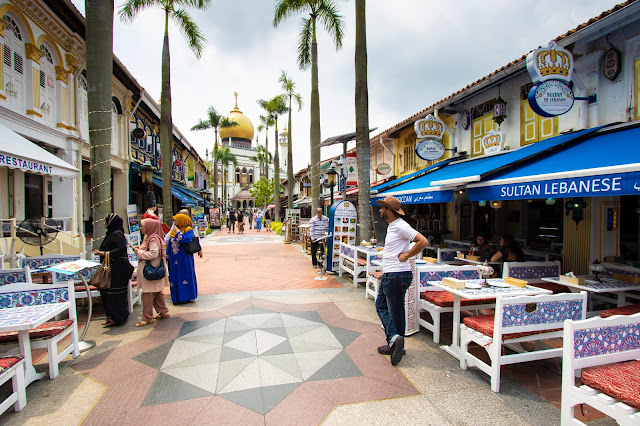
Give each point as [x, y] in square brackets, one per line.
[397, 275]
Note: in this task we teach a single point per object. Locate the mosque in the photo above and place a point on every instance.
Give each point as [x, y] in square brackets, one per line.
[240, 178]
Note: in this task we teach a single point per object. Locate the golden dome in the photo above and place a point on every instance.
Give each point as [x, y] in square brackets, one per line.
[244, 131]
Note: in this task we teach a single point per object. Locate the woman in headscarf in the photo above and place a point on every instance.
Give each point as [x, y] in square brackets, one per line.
[182, 273]
[115, 299]
[152, 250]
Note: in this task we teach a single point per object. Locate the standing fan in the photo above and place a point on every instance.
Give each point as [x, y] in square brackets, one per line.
[37, 232]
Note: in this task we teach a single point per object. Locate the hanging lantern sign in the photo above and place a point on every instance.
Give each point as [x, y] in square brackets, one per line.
[493, 142]
[429, 131]
[550, 69]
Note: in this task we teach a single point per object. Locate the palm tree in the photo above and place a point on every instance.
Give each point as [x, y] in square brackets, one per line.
[289, 87]
[266, 122]
[174, 9]
[363, 145]
[278, 106]
[214, 121]
[326, 11]
[263, 157]
[100, 73]
[226, 157]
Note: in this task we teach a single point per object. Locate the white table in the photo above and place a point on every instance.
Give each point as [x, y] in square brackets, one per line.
[371, 256]
[607, 285]
[24, 318]
[481, 293]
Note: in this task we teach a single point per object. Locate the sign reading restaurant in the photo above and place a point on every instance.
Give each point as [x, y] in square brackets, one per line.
[550, 69]
[19, 163]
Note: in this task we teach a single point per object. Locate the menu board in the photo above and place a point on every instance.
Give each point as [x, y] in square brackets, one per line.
[343, 222]
[294, 215]
[132, 218]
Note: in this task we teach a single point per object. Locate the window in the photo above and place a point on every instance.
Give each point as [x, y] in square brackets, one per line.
[480, 127]
[47, 86]
[636, 90]
[409, 153]
[114, 129]
[13, 71]
[34, 196]
[83, 107]
[534, 128]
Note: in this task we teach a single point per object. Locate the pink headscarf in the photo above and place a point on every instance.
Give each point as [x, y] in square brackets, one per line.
[153, 229]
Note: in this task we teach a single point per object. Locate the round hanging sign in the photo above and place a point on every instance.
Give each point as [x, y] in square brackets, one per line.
[430, 149]
[466, 119]
[551, 98]
[138, 133]
[383, 169]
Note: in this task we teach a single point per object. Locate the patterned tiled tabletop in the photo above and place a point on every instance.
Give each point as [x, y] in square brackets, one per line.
[26, 317]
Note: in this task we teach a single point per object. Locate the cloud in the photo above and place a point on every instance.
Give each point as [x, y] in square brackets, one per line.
[418, 53]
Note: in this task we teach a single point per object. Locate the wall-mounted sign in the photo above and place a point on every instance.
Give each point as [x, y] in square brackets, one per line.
[352, 169]
[191, 170]
[429, 131]
[551, 98]
[493, 142]
[466, 119]
[550, 69]
[306, 184]
[611, 63]
[383, 169]
[138, 133]
[430, 149]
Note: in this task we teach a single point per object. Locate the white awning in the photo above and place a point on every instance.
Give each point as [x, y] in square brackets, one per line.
[20, 153]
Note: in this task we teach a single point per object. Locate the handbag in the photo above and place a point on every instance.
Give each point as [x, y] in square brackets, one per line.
[153, 273]
[101, 279]
[193, 246]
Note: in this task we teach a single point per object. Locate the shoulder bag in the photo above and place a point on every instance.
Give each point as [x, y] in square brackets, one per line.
[193, 246]
[101, 279]
[153, 273]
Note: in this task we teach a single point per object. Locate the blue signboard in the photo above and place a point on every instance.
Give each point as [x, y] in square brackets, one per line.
[420, 197]
[587, 186]
[343, 183]
[343, 221]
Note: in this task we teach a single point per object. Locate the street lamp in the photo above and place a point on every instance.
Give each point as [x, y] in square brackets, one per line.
[331, 180]
[147, 178]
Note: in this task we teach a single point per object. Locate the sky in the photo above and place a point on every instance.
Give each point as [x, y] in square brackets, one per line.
[419, 52]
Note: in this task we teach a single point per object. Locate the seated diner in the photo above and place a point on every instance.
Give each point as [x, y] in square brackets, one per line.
[480, 247]
[509, 251]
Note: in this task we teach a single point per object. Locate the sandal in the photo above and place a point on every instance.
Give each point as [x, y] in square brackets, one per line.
[143, 323]
[108, 323]
[162, 316]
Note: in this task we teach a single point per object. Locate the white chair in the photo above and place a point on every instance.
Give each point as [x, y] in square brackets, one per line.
[12, 367]
[437, 302]
[15, 276]
[533, 272]
[595, 344]
[516, 320]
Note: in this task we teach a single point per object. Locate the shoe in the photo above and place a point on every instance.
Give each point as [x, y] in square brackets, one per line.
[107, 321]
[315, 266]
[386, 350]
[162, 316]
[397, 350]
[107, 324]
[143, 323]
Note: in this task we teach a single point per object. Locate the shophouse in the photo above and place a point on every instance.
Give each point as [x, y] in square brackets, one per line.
[485, 141]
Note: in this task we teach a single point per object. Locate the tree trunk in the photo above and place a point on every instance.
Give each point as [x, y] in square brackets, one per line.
[100, 76]
[166, 127]
[315, 127]
[215, 170]
[289, 162]
[266, 152]
[362, 124]
[276, 179]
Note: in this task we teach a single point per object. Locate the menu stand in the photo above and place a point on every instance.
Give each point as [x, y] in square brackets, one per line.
[72, 268]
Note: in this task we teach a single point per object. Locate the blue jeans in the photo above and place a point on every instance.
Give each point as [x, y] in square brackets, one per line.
[390, 302]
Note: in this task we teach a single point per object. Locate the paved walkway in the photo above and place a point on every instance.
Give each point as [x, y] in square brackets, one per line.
[265, 343]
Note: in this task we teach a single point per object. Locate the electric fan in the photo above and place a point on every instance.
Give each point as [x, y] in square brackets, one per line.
[37, 232]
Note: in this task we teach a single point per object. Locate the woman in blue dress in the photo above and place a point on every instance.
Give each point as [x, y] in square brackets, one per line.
[182, 273]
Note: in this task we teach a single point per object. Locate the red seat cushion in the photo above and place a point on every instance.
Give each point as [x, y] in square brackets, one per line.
[48, 329]
[6, 362]
[555, 288]
[444, 299]
[80, 287]
[376, 275]
[620, 381]
[624, 310]
[484, 324]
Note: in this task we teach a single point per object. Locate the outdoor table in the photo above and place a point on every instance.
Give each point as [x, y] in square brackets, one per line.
[371, 255]
[608, 285]
[497, 266]
[22, 319]
[480, 293]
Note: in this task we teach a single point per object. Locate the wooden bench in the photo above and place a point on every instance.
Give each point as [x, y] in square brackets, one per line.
[608, 350]
[533, 272]
[516, 320]
[48, 335]
[437, 302]
[12, 367]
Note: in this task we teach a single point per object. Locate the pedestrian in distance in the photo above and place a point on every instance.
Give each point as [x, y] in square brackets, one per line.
[227, 217]
[240, 217]
[396, 276]
[232, 221]
[267, 220]
[152, 250]
[114, 299]
[318, 226]
[259, 220]
[250, 218]
[182, 274]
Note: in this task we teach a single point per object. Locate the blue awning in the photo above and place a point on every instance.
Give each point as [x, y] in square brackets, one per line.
[186, 200]
[607, 163]
[411, 176]
[195, 197]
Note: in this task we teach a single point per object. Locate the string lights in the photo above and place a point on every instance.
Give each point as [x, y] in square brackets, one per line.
[91, 166]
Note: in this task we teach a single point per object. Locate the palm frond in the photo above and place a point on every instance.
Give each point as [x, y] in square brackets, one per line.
[298, 99]
[195, 38]
[196, 4]
[130, 10]
[286, 8]
[305, 38]
[332, 21]
[202, 125]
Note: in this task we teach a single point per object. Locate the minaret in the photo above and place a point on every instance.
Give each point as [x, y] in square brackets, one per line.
[284, 148]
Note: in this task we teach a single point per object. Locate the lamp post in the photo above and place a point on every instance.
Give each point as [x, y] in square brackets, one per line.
[147, 178]
[331, 179]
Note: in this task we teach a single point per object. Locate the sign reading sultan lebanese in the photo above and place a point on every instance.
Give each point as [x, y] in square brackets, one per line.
[550, 69]
[429, 131]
